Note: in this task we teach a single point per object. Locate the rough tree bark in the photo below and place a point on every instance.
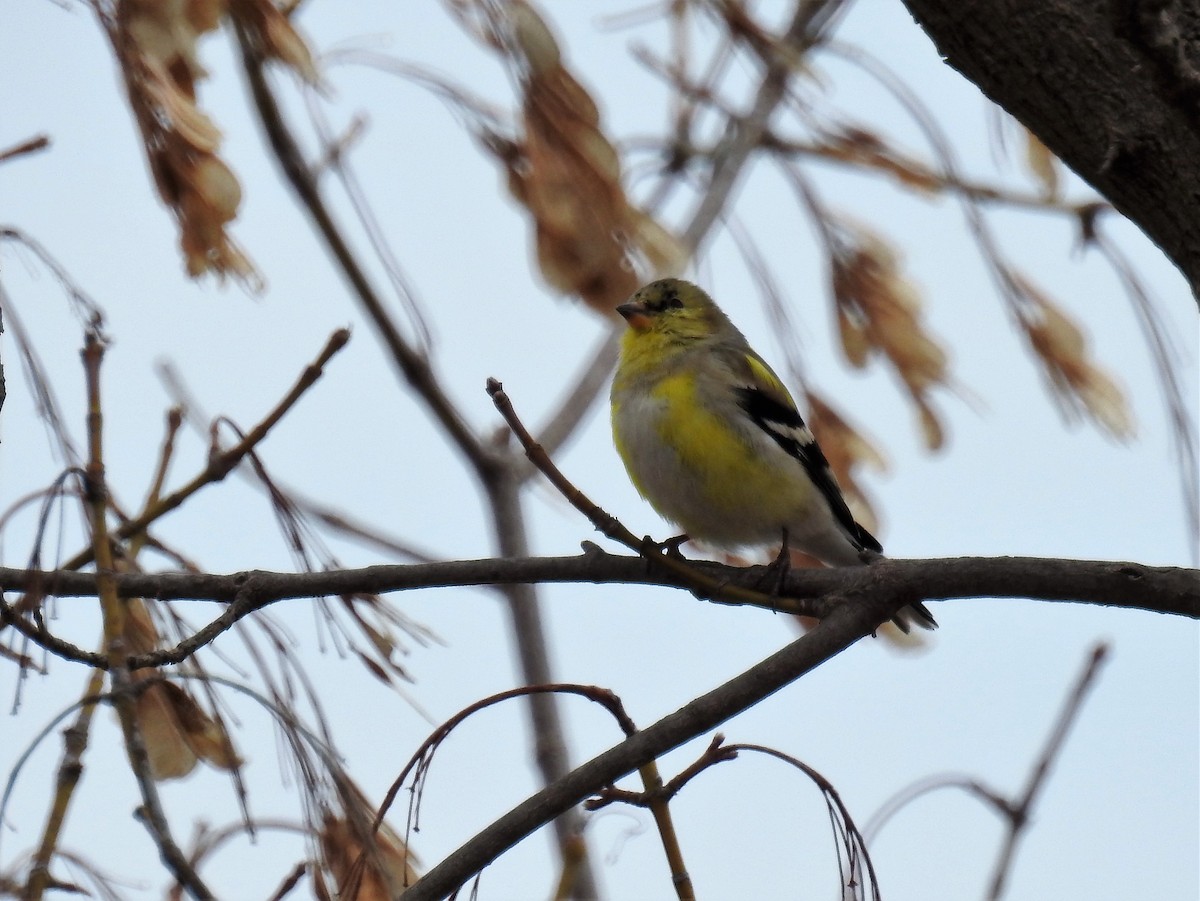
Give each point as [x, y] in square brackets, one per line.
[1110, 86]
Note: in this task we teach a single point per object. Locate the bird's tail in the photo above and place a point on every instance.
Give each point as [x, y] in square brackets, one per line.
[916, 614]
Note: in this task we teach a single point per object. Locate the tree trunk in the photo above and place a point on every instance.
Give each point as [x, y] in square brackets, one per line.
[1110, 86]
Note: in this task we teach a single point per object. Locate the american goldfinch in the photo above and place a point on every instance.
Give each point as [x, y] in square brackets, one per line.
[712, 439]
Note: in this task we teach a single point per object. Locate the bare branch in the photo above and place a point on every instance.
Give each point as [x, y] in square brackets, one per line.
[1076, 75]
[812, 592]
[151, 812]
[503, 488]
[221, 465]
[1018, 812]
[846, 626]
[857, 871]
[746, 134]
[30, 145]
[414, 367]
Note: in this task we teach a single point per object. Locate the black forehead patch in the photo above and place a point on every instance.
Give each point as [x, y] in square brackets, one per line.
[668, 297]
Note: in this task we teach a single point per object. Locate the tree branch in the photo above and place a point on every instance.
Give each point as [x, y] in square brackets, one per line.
[414, 367]
[1076, 75]
[847, 625]
[816, 592]
[220, 465]
[745, 135]
[533, 653]
[1019, 810]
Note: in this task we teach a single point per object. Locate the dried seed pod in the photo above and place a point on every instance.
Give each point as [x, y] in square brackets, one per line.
[879, 311]
[1078, 382]
[589, 239]
[176, 731]
[156, 46]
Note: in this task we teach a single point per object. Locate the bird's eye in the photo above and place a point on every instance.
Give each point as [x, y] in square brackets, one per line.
[675, 302]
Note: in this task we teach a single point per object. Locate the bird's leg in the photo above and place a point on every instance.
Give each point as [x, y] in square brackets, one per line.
[783, 558]
[671, 546]
[777, 570]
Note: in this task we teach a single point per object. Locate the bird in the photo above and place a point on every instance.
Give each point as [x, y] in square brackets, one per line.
[714, 442]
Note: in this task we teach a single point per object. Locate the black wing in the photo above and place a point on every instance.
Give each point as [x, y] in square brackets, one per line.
[787, 429]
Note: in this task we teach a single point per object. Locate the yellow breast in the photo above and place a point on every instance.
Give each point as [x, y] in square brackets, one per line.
[719, 477]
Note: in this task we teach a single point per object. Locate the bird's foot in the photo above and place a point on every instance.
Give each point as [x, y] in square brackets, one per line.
[670, 547]
[776, 572]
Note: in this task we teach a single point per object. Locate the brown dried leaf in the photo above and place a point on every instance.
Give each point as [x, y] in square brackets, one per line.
[1062, 348]
[341, 849]
[156, 46]
[1042, 164]
[1054, 335]
[280, 39]
[205, 15]
[141, 634]
[665, 254]
[879, 311]
[169, 753]
[175, 729]
[1107, 404]
[178, 107]
[931, 427]
[218, 188]
[204, 734]
[177, 733]
[167, 34]
[534, 37]
[854, 338]
[373, 667]
[567, 174]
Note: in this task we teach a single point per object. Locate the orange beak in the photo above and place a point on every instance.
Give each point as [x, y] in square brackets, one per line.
[636, 315]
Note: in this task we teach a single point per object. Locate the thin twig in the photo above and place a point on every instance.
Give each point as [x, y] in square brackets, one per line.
[928, 785]
[154, 493]
[746, 133]
[503, 487]
[113, 609]
[221, 465]
[32, 145]
[605, 522]
[602, 696]
[659, 802]
[35, 630]
[290, 881]
[1166, 360]
[846, 833]
[656, 797]
[418, 764]
[338, 520]
[1022, 807]
[70, 771]
[1016, 811]
[833, 635]
[413, 366]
